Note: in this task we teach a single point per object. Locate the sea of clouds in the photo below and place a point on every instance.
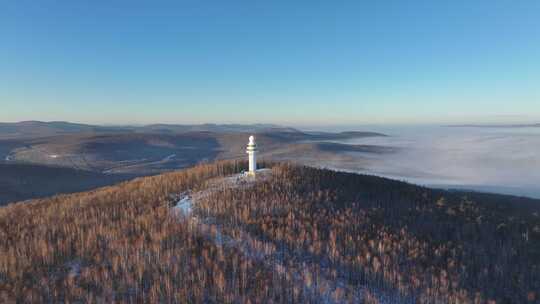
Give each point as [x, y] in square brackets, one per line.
[501, 160]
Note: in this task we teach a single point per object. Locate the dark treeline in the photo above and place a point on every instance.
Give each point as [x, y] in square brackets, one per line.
[123, 244]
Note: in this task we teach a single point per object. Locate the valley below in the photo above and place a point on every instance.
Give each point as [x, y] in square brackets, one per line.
[494, 159]
[91, 156]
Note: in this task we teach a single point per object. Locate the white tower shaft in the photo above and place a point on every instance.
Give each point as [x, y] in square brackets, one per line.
[251, 150]
[252, 162]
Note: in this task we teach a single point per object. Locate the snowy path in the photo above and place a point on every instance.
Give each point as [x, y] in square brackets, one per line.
[134, 163]
[328, 279]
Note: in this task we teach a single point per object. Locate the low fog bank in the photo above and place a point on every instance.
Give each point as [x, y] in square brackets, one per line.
[500, 160]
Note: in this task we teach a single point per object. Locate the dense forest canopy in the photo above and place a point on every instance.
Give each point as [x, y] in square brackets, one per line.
[299, 234]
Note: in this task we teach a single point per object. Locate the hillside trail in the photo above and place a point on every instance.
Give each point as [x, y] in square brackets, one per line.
[320, 281]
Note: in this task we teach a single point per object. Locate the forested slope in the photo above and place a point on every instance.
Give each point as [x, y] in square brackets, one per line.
[300, 235]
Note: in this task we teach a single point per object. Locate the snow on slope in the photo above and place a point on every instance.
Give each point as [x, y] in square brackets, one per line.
[331, 280]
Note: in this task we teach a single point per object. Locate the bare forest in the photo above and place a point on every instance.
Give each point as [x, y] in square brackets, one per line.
[301, 235]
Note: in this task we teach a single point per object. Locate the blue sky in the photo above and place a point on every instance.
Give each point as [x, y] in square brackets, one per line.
[286, 62]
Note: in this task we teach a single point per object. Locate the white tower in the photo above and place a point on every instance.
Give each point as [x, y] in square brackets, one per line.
[251, 150]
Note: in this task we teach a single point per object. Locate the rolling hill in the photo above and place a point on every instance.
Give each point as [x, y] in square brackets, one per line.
[34, 129]
[150, 153]
[95, 151]
[146, 149]
[137, 153]
[20, 182]
[534, 125]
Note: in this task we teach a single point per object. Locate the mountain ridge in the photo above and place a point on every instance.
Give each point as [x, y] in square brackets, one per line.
[34, 128]
[533, 125]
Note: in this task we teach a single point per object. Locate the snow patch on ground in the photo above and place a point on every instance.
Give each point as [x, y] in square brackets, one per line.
[168, 158]
[184, 206]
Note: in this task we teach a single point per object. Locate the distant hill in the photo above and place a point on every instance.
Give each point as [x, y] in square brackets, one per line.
[146, 153]
[140, 151]
[496, 126]
[215, 128]
[343, 135]
[294, 234]
[135, 153]
[25, 181]
[28, 129]
[34, 129]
